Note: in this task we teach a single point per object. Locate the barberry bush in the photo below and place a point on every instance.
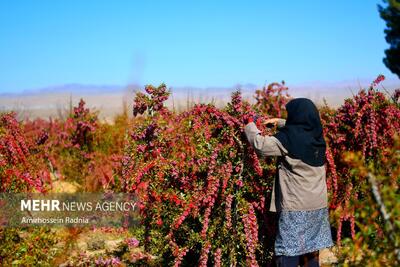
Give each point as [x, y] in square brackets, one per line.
[203, 190]
[22, 167]
[377, 213]
[366, 123]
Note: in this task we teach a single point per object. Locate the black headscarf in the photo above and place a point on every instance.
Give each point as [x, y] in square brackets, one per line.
[302, 134]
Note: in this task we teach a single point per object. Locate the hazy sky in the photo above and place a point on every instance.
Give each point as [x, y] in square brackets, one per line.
[198, 43]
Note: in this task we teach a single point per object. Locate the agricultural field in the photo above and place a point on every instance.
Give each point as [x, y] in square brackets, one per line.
[203, 191]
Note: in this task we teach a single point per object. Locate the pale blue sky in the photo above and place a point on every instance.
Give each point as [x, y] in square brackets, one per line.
[182, 43]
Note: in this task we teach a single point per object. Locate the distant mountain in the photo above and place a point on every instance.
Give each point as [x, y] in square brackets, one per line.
[76, 88]
[316, 89]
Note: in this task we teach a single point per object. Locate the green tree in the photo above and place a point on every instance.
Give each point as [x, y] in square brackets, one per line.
[391, 14]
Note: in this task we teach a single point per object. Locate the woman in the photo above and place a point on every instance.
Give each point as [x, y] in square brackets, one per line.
[299, 193]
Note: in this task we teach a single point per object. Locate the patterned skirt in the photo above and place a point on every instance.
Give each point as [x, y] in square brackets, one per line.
[301, 232]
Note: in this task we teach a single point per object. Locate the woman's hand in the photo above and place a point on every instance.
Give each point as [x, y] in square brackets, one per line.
[272, 121]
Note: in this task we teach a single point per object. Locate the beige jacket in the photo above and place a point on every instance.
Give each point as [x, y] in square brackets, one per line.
[298, 185]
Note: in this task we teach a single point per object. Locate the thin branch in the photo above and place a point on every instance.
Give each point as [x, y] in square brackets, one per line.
[384, 213]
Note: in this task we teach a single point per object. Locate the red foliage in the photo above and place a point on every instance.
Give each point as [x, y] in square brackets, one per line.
[21, 166]
[365, 123]
[191, 169]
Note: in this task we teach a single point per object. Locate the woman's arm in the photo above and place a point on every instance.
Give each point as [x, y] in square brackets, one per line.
[263, 145]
